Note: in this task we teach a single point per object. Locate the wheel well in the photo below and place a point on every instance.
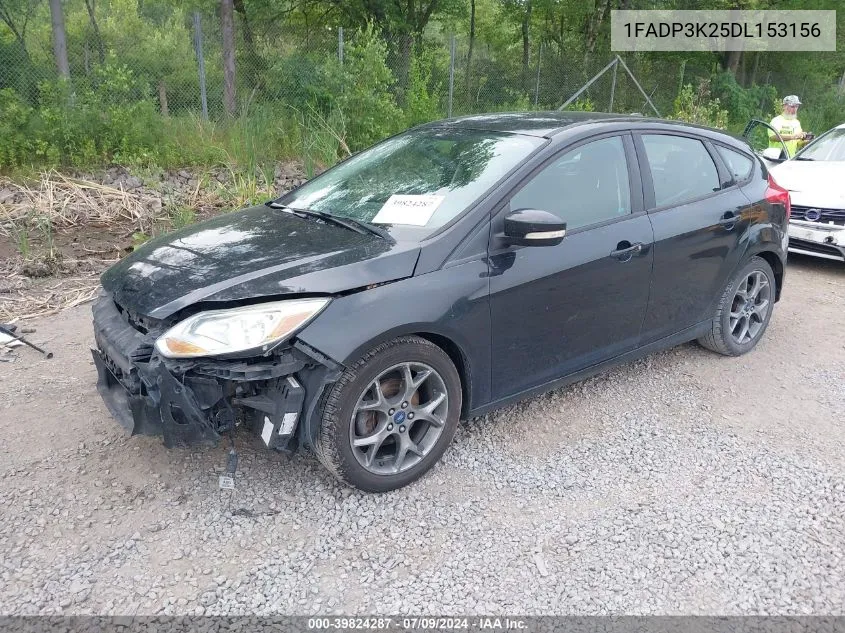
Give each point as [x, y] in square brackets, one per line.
[777, 268]
[460, 361]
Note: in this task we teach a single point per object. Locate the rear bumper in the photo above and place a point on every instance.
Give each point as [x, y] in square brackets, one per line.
[194, 402]
[816, 239]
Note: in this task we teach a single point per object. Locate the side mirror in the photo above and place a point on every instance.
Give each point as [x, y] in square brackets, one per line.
[773, 153]
[533, 227]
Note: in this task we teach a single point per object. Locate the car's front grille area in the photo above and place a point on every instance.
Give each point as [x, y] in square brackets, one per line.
[140, 323]
[817, 214]
[142, 353]
[808, 247]
[120, 344]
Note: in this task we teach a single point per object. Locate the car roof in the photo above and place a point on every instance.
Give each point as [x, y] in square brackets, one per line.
[547, 124]
[543, 124]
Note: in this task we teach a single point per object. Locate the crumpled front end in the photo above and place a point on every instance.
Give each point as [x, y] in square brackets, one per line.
[819, 232]
[194, 402]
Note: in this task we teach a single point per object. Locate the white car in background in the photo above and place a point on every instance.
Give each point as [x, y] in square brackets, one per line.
[815, 178]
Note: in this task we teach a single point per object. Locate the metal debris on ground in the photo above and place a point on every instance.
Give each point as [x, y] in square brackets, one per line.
[12, 339]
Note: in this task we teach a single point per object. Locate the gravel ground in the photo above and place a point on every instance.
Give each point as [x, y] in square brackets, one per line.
[683, 483]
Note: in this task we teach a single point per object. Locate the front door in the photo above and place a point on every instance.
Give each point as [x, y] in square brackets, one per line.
[558, 309]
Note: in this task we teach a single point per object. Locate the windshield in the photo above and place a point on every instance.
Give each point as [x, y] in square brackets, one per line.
[830, 146]
[422, 178]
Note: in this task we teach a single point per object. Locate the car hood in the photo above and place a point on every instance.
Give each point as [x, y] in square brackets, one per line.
[813, 183]
[257, 252]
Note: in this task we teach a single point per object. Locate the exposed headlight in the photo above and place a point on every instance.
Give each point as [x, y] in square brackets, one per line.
[238, 329]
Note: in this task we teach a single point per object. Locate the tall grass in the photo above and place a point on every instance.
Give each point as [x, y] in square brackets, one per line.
[20, 234]
[246, 143]
[251, 143]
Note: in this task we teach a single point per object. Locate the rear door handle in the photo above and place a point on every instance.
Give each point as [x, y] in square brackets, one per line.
[729, 221]
[625, 250]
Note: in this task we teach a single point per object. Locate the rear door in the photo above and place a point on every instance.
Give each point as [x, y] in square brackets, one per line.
[699, 216]
[557, 309]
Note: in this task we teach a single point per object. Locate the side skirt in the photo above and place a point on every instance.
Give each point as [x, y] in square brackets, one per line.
[684, 336]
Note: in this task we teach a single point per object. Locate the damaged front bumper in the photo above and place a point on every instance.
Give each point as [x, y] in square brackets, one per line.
[818, 238]
[194, 402]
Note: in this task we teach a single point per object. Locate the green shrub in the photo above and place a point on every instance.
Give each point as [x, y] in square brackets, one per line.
[106, 119]
[697, 106]
[354, 98]
[510, 100]
[741, 103]
[366, 100]
[822, 112]
[16, 145]
[422, 100]
[304, 80]
[582, 104]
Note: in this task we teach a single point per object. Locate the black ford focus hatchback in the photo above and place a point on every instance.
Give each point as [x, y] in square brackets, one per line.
[446, 271]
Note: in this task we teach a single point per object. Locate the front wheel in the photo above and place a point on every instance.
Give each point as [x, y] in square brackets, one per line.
[744, 310]
[390, 416]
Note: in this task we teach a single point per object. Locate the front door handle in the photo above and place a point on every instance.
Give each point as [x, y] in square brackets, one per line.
[625, 250]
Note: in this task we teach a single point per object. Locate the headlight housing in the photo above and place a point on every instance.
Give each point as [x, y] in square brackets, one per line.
[257, 327]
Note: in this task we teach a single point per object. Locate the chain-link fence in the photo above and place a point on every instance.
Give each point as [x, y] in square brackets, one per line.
[179, 64]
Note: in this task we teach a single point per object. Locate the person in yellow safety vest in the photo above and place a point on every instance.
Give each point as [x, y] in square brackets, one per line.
[788, 126]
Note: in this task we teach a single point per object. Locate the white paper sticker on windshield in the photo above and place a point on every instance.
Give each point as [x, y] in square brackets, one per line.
[413, 210]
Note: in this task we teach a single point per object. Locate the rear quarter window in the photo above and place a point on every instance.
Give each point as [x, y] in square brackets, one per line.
[739, 165]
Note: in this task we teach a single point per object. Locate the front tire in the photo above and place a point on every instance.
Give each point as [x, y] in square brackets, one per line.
[744, 310]
[390, 417]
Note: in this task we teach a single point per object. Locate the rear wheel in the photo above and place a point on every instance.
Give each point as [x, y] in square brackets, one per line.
[744, 311]
[391, 415]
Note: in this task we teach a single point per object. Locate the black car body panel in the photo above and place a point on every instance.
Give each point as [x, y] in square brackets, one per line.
[557, 309]
[515, 320]
[461, 318]
[258, 252]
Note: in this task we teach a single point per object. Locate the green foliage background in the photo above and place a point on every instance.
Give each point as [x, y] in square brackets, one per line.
[297, 99]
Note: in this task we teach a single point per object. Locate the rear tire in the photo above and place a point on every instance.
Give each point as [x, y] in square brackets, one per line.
[390, 417]
[744, 310]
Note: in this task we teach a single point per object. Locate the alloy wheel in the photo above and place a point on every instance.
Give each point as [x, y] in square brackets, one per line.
[399, 418]
[750, 307]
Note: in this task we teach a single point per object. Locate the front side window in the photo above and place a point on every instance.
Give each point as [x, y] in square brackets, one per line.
[583, 186]
[423, 178]
[681, 169]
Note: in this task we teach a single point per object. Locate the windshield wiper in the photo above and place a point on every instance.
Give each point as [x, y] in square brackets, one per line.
[347, 223]
[804, 158]
[366, 226]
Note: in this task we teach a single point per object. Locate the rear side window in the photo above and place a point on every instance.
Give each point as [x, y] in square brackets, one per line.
[681, 169]
[739, 165]
[584, 186]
